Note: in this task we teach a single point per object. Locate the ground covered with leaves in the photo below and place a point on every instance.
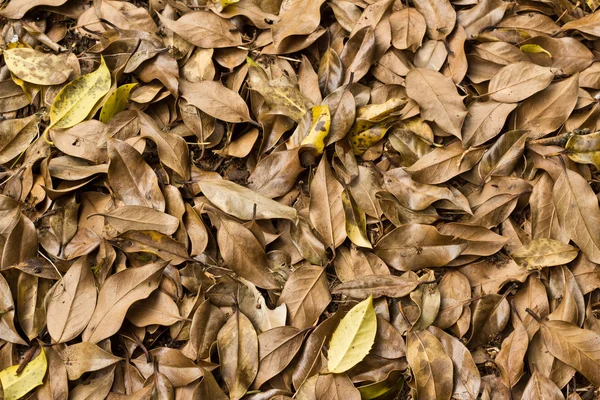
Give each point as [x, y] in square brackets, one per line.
[309, 199]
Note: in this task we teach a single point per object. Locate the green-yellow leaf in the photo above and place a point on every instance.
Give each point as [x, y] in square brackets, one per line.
[534, 49]
[280, 94]
[321, 122]
[372, 123]
[36, 67]
[116, 102]
[353, 338]
[75, 101]
[356, 221]
[584, 149]
[221, 4]
[16, 386]
[361, 139]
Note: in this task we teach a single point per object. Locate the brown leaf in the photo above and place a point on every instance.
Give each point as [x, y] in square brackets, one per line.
[438, 99]
[466, 376]
[242, 202]
[204, 29]
[326, 211]
[132, 180]
[440, 17]
[70, 303]
[306, 295]
[117, 294]
[430, 366]
[444, 163]
[238, 351]
[546, 111]
[490, 316]
[216, 100]
[518, 81]
[411, 247]
[85, 357]
[484, 121]
[276, 348]
[140, 218]
[574, 346]
[158, 309]
[578, 213]
[243, 253]
[539, 387]
[378, 286]
[510, 358]
[408, 29]
[485, 14]
[15, 136]
[569, 55]
[335, 387]
[276, 174]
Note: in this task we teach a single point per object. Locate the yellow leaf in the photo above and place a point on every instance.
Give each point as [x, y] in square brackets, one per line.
[16, 386]
[534, 48]
[321, 122]
[75, 101]
[221, 4]
[356, 222]
[361, 140]
[116, 102]
[353, 338]
[584, 149]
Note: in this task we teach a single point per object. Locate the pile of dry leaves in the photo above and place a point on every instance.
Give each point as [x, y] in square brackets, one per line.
[309, 199]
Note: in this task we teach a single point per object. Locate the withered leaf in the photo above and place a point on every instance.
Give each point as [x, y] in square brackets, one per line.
[431, 366]
[16, 135]
[378, 286]
[140, 218]
[484, 121]
[467, 380]
[117, 294]
[438, 99]
[276, 348]
[85, 357]
[518, 81]
[578, 212]
[408, 28]
[440, 17]
[574, 346]
[510, 358]
[326, 210]
[544, 253]
[243, 253]
[204, 29]
[306, 295]
[541, 387]
[216, 100]
[133, 181]
[242, 202]
[414, 246]
[70, 303]
[238, 348]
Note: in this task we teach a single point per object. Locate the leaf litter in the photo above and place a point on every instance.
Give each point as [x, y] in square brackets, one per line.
[310, 199]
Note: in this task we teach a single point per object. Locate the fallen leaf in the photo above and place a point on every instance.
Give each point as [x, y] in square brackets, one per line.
[431, 367]
[117, 294]
[15, 386]
[518, 81]
[36, 67]
[238, 347]
[352, 339]
[75, 100]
